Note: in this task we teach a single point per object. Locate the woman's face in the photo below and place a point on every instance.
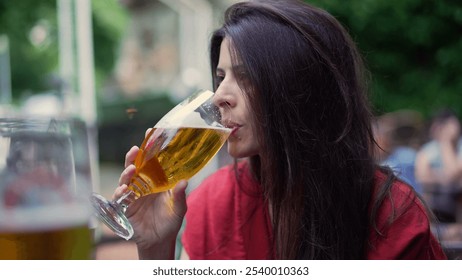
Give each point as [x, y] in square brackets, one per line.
[234, 109]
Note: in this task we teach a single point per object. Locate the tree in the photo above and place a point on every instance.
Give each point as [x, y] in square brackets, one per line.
[412, 49]
[32, 29]
[33, 57]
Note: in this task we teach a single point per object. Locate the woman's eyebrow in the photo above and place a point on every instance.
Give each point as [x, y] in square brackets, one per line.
[238, 67]
[234, 68]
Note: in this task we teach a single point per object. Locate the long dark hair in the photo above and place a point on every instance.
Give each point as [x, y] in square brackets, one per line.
[308, 94]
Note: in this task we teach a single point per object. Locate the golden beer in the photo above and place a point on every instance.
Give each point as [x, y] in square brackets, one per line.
[59, 232]
[58, 244]
[168, 155]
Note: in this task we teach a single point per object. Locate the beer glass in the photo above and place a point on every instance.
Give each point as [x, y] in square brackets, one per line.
[42, 214]
[176, 148]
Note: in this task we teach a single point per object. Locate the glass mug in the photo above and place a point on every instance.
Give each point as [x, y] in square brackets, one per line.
[176, 148]
[42, 214]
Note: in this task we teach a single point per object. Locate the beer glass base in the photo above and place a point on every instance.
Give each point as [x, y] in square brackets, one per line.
[112, 215]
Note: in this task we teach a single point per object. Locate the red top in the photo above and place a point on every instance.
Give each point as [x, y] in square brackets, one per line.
[227, 220]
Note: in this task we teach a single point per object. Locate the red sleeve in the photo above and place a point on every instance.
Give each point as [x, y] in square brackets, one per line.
[409, 236]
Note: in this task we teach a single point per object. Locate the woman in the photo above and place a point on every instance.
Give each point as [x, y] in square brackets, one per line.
[289, 82]
[439, 166]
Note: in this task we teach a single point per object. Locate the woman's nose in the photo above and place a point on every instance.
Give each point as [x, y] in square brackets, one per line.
[222, 98]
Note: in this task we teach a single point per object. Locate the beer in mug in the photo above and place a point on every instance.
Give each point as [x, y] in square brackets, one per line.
[42, 213]
[45, 234]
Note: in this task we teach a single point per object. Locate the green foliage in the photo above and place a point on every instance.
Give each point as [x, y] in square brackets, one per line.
[32, 66]
[109, 22]
[412, 49]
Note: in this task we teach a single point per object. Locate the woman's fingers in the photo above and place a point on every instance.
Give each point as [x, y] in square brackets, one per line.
[147, 132]
[126, 175]
[131, 156]
[119, 191]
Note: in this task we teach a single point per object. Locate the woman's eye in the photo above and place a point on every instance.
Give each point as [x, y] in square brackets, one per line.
[218, 80]
[242, 77]
[240, 73]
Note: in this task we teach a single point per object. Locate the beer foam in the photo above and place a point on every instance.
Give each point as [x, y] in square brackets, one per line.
[45, 217]
[194, 120]
[185, 114]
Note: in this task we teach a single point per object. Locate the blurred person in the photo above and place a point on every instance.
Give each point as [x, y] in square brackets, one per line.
[399, 136]
[290, 83]
[439, 166]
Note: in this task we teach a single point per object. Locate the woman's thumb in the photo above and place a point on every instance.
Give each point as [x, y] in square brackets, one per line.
[179, 198]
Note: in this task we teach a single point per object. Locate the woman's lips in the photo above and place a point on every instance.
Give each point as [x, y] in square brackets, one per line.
[233, 126]
[234, 130]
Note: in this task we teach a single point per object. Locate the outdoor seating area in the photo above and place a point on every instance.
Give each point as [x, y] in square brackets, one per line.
[264, 129]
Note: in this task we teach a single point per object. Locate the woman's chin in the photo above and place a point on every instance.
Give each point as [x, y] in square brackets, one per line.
[239, 152]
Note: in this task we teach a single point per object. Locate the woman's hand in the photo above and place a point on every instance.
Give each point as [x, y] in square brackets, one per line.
[156, 218]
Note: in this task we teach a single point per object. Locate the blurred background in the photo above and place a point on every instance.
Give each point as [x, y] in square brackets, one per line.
[116, 66]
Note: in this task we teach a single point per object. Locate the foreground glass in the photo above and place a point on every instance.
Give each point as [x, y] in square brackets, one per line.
[177, 147]
[43, 214]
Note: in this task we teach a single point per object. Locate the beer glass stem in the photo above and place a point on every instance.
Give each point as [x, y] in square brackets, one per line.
[126, 199]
